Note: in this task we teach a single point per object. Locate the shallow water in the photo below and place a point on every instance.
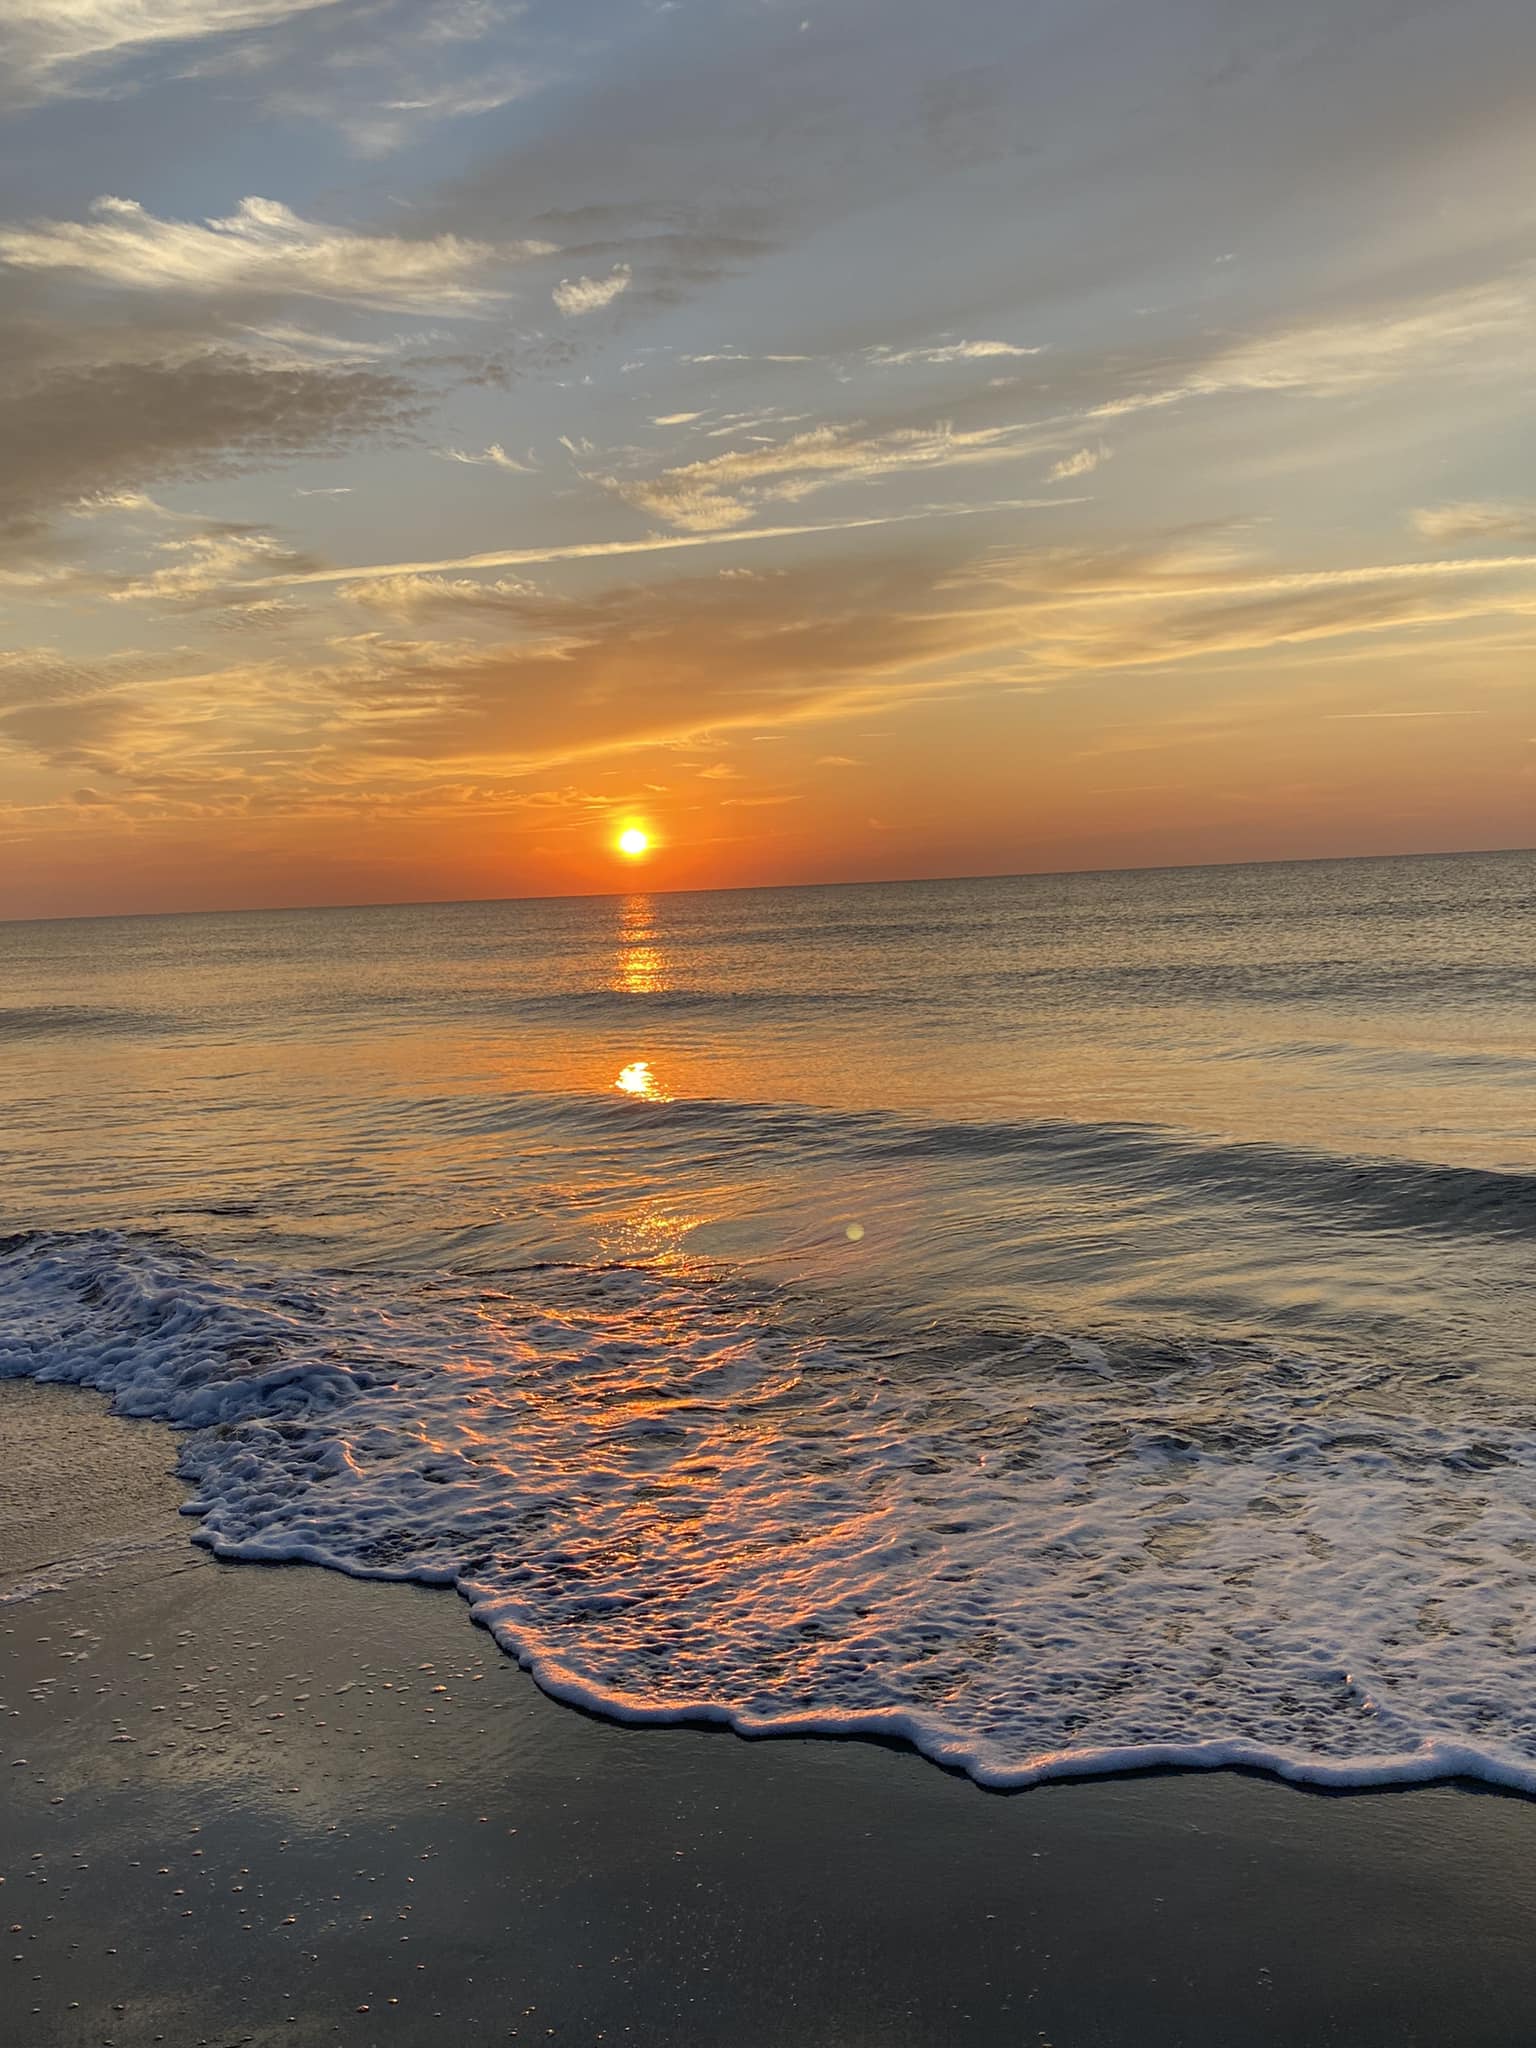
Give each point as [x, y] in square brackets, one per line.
[1066, 1321]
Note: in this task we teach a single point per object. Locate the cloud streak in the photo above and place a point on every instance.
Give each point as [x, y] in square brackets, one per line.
[653, 544]
[262, 248]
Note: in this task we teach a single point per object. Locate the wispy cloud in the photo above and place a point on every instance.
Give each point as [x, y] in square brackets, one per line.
[411, 596]
[1478, 520]
[99, 503]
[1082, 463]
[54, 45]
[1357, 351]
[493, 457]
[578, 295]
[205, 567]
[262, 247]
[1078, 614]
[950, 352]
[726, 490]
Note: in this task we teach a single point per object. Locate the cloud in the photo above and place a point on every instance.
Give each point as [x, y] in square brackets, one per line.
[686, 661]
[97, 415]
[1083, 463]
[1356, 350]
[261, 248]
[949, 352]
[99, 503]
[698, 656]
[456, 98]
[1078, 613]
[630, 665]
[1478, 520]
[577, 295]
[61, 711]
[40, 675]
[411, 597]
[52, 46]
[495, 456]
[206, 567]
[737, 355]
[722, 491]
[371, 70]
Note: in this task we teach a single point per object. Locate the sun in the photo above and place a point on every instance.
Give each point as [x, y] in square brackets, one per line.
[632, 842]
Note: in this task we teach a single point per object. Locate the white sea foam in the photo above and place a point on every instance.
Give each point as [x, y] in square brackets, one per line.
[1053, 1559]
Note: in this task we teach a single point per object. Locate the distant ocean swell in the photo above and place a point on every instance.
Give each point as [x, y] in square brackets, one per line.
[1059, 1557]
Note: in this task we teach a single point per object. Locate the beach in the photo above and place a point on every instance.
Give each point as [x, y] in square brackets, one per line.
[239, 1810]
[877, 1426]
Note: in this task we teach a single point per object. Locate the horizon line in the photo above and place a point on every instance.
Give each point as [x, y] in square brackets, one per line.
[764, 888]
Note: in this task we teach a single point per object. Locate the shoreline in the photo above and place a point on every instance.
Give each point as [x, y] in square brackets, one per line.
[283, 1805]
[1438, 1760]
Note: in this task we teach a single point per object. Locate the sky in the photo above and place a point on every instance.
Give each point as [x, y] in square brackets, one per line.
[842, 439]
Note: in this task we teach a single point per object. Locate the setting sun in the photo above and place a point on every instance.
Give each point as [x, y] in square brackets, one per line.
[633, 842]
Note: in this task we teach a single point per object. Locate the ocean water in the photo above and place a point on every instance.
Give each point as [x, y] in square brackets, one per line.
[1070, 1323]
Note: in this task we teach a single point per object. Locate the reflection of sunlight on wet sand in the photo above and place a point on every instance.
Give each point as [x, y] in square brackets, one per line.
[640, 967]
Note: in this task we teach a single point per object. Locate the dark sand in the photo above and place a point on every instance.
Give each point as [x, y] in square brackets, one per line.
[242, 1804]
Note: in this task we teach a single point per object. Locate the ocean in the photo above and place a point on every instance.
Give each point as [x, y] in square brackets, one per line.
[1067, 1323]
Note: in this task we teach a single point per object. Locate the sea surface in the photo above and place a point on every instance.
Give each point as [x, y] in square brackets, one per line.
[1069, 1323]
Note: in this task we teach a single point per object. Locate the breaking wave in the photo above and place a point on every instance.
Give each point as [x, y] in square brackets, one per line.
[1039, 1555]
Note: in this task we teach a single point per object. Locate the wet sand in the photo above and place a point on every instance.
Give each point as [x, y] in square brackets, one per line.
[254, 1805]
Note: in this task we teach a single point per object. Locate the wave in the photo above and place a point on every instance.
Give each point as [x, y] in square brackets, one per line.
[1137, 1159]
[1051, 1556]
[1279, 984]
[64, 1020]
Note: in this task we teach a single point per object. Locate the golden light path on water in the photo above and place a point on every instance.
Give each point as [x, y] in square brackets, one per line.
[639, 969]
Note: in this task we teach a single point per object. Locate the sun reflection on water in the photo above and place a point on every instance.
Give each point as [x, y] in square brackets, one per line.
[637, 1079]
[640, 967]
